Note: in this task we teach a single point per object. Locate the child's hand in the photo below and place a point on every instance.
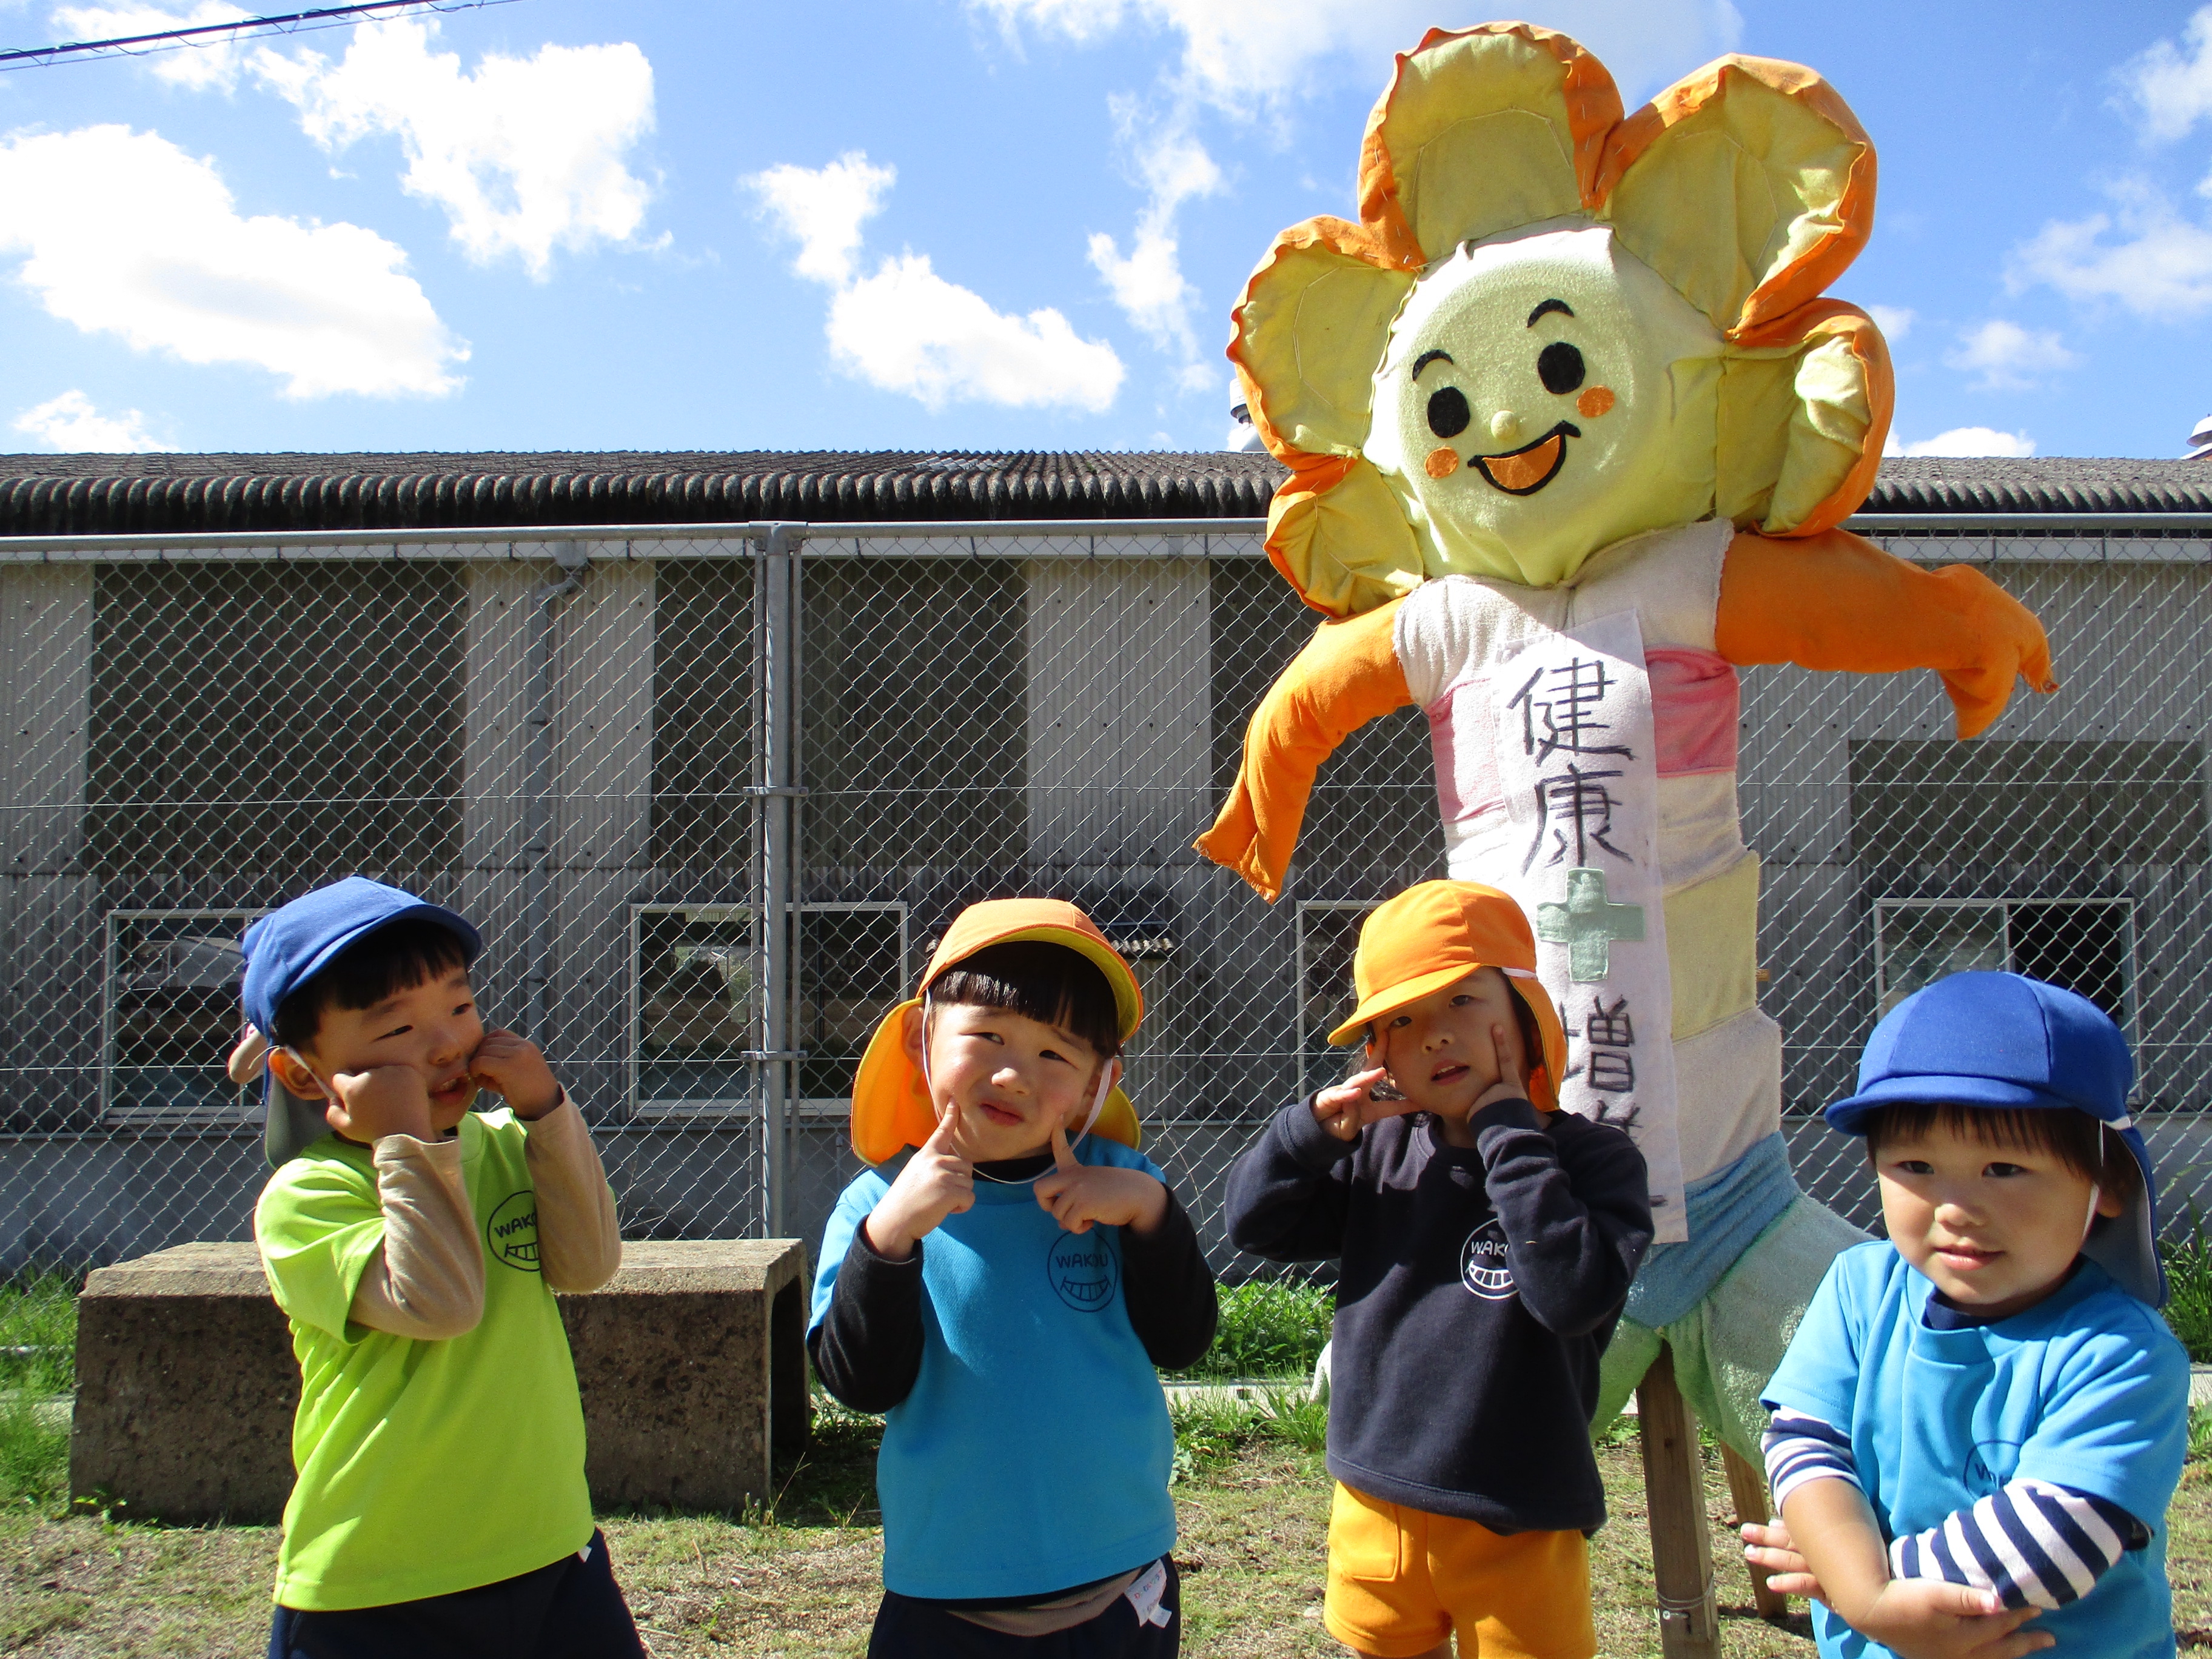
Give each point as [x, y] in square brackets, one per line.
[1511, 1084]
[1929, 1619]
[384, 1100]
[1080, 1196]
[1770, 1547]
[512, 1068]
[1348, 1108]
[937, 1181]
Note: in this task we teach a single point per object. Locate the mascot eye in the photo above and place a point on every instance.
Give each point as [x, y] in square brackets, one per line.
[1559, 366]
[1447, 411]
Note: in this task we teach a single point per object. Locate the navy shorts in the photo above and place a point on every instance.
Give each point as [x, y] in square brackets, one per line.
[910, 1629]
[572, 1609]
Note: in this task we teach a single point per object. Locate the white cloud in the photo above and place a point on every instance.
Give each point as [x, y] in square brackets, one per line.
[1895, 322]
[210, 62]
[1966, 441]
[524, 155]
[822, 208]
[2005, 357]
[167, 264]
[2173, 87]
[905, 328]
[70, 423]
[1148, 284]
[2160, 267]
[1239, 54]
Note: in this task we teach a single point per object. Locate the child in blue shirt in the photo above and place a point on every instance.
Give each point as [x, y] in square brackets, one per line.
[1979, 1422]
[1001, 1287]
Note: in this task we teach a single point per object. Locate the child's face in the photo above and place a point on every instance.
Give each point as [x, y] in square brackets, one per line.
[1996, 1228]
[1016, 1079]
[433, 1028]
[1441, 1051]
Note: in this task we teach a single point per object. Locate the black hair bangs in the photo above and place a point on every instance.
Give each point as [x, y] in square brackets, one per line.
[383, 963]
[1049, 983]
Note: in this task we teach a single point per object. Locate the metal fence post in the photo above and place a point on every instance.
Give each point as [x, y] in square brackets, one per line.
[779, 917]
[538, 818]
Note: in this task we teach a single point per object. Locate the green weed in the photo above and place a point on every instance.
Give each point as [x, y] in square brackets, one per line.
[1268, 1328]
[33, 1455]
[2189, 1279]
[2200, 1433]
[38, 1333]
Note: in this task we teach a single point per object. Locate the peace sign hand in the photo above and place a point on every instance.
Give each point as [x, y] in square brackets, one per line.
[1351, 1106]
[938, 1181]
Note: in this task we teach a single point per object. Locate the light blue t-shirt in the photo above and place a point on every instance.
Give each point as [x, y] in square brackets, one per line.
[1034, 1451]
[2086, 1389]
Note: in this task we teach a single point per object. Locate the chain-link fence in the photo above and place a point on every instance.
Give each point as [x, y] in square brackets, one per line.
[711, 795]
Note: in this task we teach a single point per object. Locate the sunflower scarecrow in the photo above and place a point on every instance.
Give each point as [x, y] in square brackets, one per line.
[1571, 427]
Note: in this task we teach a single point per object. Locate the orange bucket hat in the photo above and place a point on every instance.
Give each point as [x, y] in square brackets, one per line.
[1436, 933]
[892, 1110]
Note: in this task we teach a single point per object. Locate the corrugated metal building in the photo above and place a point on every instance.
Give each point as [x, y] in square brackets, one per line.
[713, 745]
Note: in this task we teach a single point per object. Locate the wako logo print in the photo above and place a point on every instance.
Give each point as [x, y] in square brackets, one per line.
[1989, 1465]
[1483, 1267]
[1083, 1270]
[511, 1235]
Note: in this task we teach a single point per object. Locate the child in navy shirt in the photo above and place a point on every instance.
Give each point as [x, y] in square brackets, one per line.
[1980, 1421]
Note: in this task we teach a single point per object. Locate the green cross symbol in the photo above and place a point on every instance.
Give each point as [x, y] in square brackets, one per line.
[1588, 925]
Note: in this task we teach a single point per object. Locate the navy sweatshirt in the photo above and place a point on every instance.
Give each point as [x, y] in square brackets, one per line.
[1478, 1290]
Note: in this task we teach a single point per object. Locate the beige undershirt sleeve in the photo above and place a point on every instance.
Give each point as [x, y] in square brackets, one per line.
[579, 1238]
[427, 1282]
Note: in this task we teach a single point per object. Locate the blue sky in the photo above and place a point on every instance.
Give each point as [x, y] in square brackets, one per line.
[940, 224]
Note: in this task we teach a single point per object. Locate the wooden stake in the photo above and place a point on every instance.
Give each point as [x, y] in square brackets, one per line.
[1748, 1490]
[1675, 1497]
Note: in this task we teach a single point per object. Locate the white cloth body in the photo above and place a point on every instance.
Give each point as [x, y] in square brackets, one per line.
[1707, 1063]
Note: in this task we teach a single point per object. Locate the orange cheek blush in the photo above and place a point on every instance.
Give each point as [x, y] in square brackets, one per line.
[1594, 402]
[1442, 462]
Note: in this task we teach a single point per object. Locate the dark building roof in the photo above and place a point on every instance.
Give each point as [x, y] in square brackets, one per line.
[97, 495]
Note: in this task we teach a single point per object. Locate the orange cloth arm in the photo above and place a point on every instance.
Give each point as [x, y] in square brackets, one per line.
[1836, 601]
[1348, 675]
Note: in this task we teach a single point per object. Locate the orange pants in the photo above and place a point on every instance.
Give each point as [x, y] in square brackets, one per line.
[1401, 1580]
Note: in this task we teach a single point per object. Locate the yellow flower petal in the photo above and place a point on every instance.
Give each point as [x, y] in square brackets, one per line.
[1310, 330]
[1337, 533]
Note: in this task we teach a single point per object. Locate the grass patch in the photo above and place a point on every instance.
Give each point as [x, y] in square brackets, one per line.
[2189, 1279]
[1267, 1328]
[38, 1333]
[33, 1455]
[1211, 1430]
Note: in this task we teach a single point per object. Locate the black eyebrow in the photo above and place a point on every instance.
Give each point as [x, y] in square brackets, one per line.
[1549, 307]
[1425, 359]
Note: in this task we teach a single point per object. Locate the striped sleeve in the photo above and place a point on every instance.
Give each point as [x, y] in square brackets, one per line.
[2035, 1544]
[1800, 1449]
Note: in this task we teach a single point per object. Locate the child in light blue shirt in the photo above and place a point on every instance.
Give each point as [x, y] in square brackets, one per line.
[1979, 1422]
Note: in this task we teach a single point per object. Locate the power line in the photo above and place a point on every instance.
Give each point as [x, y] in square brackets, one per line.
[292, 22]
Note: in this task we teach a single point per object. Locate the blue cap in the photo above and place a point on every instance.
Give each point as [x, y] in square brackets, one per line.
[289, 946]
[2004, 1040]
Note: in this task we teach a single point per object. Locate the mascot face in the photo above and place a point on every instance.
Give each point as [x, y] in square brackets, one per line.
[1556, 326]
[1542, 397]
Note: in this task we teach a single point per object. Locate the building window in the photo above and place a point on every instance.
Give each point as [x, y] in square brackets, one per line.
[852, 972]
[1329, 937]
[169, 1017]
[695, 1015]
[2087, 946]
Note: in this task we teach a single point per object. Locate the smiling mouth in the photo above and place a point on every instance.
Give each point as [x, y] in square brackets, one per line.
[999, 1114]
[1525, 471]
[1448, 1073]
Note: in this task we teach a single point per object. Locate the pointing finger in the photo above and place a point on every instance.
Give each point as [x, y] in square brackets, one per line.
[1063, 1156]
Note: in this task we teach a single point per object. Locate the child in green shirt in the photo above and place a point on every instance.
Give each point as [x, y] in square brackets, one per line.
[441, 1507]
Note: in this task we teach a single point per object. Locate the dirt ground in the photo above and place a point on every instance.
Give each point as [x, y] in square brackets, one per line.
[803, 1585]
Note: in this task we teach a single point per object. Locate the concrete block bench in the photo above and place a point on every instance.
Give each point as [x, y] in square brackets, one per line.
[691, 1364]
